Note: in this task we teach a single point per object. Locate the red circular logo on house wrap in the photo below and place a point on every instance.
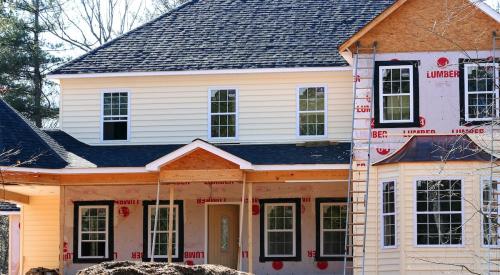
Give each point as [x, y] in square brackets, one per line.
[443, 62]
[277, 265]
[383, 151]
[124, 211]
[322, 265]
[422, 121]
[255, 209]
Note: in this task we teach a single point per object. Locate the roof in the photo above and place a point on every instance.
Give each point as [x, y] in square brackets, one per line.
[234, 34]
[438, 148]
[23, 144]
[8, 207]
[140, 155]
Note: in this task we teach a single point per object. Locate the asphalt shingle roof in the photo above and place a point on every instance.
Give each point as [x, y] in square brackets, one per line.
[235, 34]
[438, 148]
[23, 144]
[8, 207]
[140, 155]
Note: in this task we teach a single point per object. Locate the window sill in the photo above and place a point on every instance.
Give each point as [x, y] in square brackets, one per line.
[339, 258]
[91, 260]
[163, 260]
[415, 124]
[283, 259]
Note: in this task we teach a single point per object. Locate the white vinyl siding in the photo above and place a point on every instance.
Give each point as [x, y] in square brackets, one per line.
[174, 109]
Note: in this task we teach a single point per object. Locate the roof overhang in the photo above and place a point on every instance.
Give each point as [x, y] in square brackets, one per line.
[200, 72]
[480, 4]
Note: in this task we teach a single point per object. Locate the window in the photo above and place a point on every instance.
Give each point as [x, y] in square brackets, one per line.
[312, 111]
[161, 241]
[439, 212]
[93, 232]
[115, 116]
[331, 214]
[490, 212]
[223, 113]
[280, 230]
[388, 214]
[396, 94]
[479, 92]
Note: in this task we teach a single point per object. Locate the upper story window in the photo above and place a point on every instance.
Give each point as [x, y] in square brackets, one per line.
[223, 113]
[479, 92]
[280, 229]
[312, 111]
[490, 200]
[396, 94]
[388, 214]
[439, 212]
[93, 231]
[115, 116]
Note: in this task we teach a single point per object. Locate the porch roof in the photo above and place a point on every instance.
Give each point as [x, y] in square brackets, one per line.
[438, 148]
[87, 156]
[8, 207]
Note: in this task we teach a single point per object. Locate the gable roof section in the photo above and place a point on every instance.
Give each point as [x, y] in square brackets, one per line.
[234, 34]
[437, 148]
[23, 144]
[480, 4]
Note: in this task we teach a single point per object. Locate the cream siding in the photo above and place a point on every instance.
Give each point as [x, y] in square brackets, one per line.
[40, 233]
[174, 109]
[407, 258]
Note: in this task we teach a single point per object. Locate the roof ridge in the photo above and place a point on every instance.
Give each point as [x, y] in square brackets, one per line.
[108, 43]
[42, 136]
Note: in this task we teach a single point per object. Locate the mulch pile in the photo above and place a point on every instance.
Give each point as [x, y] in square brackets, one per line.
[140, 268]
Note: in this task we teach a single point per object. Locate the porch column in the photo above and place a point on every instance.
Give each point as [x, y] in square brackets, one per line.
[249, 230]
[242, 214]
[170, 221]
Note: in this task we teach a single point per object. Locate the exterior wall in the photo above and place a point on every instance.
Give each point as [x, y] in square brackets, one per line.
[439, 98]
[128, 228]
[40, 233]
[14, 243]
[174, 109]
[407, 258]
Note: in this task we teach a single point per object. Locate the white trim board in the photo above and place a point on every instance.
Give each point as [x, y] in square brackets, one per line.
[201, 72]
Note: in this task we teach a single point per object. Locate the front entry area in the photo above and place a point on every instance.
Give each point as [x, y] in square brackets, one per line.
[223, 232]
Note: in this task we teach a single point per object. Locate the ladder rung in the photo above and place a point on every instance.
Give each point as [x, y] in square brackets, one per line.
[361, 98]
[356, 235]
[357, 223]
[363, 88]
[358, 202]
[358, 181]
[358, 213]
[355, 245]
[353, 267]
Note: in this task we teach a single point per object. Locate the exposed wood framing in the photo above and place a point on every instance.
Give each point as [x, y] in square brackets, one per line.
[249, 229]
[201, 175]
[170, 220]
[14, 197]
[242, 213]
[282, 176]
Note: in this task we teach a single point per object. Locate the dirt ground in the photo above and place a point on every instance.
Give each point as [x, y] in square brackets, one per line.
[140, 268]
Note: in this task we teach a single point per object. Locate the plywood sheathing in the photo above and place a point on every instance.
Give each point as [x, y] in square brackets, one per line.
[432, 25]
[200, 159]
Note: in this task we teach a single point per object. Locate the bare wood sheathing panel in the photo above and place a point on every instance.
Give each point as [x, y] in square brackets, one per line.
[200, 159]
[429, 25]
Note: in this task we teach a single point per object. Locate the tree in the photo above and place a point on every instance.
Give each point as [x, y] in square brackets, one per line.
[26, 57]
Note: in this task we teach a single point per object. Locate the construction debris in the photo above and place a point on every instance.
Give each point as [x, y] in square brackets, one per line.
[140, 268]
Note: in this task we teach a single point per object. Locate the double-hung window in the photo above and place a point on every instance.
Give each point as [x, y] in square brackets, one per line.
[223, 113]
[480, 92]
[388, 214]
[439, 212]
[162, 231]
[280, 229]
[93, 233]
[311, 111]
[331, 220]
[490, 212]
[396, 94]
[115, 115]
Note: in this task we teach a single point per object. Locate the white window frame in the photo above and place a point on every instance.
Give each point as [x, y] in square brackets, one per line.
[106, 242]
[266, 230]
[381, 94]
[484, 180]
[236, 113]
[176, 231]
[322, 230]
[102, 116]
[298, 111]
[495, 91]
[415, 213]
[382, 215]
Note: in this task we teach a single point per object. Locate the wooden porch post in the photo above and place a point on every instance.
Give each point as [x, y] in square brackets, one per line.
[170, 221]
[250, 231]
[242, 213]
